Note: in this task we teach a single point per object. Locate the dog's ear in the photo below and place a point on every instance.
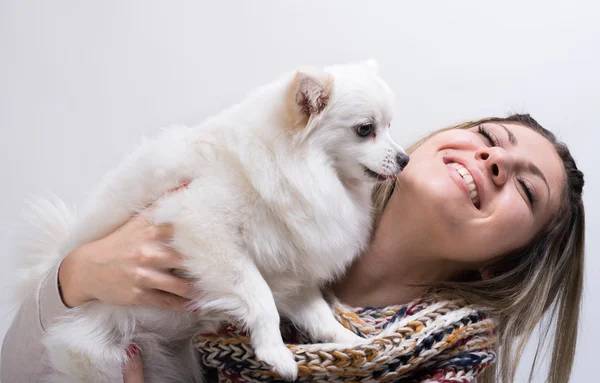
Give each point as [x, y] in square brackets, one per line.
[311, 92]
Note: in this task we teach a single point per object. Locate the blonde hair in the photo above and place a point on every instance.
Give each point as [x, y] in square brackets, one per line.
[545, 276]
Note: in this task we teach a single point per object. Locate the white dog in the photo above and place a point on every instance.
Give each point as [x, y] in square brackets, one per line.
[278, 205]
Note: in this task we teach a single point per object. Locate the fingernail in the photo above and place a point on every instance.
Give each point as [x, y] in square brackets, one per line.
[195, 310]
[182, 186]
[131, 351]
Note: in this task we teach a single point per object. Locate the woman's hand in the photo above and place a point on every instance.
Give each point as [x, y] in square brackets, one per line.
[130, 266]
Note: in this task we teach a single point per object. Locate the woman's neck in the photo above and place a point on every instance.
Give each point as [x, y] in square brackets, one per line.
[397, 264]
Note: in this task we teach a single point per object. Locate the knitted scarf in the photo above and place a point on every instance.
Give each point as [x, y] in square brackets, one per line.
[442, 342]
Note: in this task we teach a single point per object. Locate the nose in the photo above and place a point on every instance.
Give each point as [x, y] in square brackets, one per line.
[498, 162]
[402, 160]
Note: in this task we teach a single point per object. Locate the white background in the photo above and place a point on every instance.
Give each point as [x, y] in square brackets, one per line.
[80, 81]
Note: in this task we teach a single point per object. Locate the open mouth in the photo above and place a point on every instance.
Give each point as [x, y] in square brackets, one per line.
[378, 176]
[470, 187]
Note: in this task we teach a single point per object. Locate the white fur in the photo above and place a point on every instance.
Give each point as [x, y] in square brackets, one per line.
[272, 213]
[49, 222]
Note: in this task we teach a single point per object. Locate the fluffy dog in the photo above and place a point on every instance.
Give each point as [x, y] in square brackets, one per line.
[277, 206]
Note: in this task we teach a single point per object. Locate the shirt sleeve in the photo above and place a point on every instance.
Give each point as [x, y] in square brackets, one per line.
[23, 355]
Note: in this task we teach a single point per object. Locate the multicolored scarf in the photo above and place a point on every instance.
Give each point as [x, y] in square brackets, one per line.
[420, 342]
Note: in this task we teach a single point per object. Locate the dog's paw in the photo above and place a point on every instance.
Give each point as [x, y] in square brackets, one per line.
[347, 338]
[282, 360]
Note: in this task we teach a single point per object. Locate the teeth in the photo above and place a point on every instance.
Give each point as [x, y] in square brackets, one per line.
[468, 178]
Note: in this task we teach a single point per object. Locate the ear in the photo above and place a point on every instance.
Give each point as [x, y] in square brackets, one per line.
[371, 64]
[312, 90]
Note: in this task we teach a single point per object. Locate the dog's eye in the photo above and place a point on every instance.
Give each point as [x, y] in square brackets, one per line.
[364, 130]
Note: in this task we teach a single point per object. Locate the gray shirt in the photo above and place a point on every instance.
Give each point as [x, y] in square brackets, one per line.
[24, 357]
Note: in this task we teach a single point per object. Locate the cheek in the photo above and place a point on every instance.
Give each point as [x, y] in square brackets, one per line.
[513, 218]
[431, 183]
[452, 139]
[510, 227]
[342, 143]
[371, 151]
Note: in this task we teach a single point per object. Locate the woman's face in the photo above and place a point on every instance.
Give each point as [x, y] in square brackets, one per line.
[484, 191]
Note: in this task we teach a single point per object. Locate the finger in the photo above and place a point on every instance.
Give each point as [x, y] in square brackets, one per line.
[170, 259]
[166, 301]
[165, 281]
[133, 371]
[164, 232]
[159, 256]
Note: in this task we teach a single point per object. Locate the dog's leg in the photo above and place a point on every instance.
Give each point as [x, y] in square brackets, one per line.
[233, 284]
[310, 312]
[262, 319]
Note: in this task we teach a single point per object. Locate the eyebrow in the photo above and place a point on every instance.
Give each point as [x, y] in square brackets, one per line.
[531, 167]
[535, 170]
[511, 137]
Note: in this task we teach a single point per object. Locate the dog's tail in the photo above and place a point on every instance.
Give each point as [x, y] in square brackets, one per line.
[49, 223]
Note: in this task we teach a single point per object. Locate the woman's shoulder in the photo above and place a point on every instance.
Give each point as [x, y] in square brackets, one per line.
[418, 341]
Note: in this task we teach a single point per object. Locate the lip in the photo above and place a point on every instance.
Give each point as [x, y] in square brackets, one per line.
[477, 179]
[377, 176]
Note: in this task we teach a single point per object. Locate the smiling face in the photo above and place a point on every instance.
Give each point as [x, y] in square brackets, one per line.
[486, 191]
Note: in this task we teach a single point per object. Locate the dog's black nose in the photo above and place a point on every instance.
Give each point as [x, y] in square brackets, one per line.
[402, 160]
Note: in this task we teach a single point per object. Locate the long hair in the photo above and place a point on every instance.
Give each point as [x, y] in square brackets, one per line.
[544, 277]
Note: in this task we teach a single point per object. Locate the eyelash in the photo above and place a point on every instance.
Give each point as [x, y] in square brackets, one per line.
[527, 190]
[493, 141]
[490, 137]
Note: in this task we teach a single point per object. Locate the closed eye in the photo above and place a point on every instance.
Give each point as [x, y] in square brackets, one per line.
[490, 137]
[526, 186]
[528, 190]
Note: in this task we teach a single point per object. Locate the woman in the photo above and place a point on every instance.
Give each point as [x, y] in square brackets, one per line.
[488, 213]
